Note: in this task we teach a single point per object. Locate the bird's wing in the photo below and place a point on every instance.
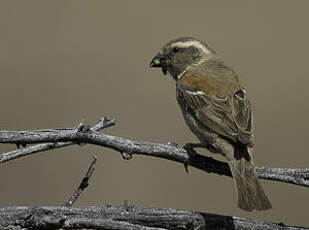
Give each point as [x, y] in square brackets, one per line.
[214, 96]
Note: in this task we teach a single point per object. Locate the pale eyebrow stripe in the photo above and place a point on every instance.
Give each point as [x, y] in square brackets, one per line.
[196, 44]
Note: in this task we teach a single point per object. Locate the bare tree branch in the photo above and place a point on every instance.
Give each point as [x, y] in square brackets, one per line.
[128, 147]
[83, 184]
[126, 217]
[103, 123]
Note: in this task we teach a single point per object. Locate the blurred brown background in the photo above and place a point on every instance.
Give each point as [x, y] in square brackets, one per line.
[64, 61]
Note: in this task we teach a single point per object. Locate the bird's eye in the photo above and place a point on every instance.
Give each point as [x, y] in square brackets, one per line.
[175, 50]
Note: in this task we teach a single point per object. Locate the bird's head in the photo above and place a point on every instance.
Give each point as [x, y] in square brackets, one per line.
[180, 54]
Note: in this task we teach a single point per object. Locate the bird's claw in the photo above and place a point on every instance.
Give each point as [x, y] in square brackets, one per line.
[189, 147]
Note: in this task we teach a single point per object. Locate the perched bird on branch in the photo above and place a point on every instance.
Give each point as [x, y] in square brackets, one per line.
[215, 107]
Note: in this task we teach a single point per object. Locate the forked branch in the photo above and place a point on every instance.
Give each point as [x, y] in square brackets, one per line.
[129, 147]
[126, 216]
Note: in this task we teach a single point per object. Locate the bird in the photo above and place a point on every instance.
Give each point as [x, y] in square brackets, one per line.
[216, 108]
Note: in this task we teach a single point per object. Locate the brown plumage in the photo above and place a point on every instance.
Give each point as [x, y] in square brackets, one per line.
[223, 107]
[216, 109]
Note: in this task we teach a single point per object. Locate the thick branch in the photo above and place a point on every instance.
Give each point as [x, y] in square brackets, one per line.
[128, 147]
[125, 217]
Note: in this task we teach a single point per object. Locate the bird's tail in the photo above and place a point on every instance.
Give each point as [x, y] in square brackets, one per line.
[251, 195]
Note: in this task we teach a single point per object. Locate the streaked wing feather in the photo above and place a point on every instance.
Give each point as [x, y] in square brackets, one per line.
[214, 114]
[243, 116]
[228, 115]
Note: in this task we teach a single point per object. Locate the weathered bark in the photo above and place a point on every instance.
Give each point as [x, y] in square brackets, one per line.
[129, 147]
[126, 217]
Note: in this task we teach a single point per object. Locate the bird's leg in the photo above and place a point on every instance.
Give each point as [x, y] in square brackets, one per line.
[189, 147]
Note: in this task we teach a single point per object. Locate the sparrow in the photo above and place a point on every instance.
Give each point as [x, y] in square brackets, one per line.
[216, 109]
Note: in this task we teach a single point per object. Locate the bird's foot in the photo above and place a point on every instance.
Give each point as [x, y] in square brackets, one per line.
[189, 147]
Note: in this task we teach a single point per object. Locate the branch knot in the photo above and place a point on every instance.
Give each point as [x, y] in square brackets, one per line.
[43, 219]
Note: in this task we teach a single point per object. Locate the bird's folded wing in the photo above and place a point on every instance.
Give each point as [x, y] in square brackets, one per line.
[226, 112]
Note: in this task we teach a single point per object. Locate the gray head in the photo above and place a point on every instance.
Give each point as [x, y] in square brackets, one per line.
[181, 53]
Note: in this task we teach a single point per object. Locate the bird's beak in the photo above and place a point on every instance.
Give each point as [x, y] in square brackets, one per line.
[160, 61]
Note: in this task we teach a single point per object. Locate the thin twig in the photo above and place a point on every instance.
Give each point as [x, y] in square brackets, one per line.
[4, 157]
[123, 217]
[129, 147]
[83, 184]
